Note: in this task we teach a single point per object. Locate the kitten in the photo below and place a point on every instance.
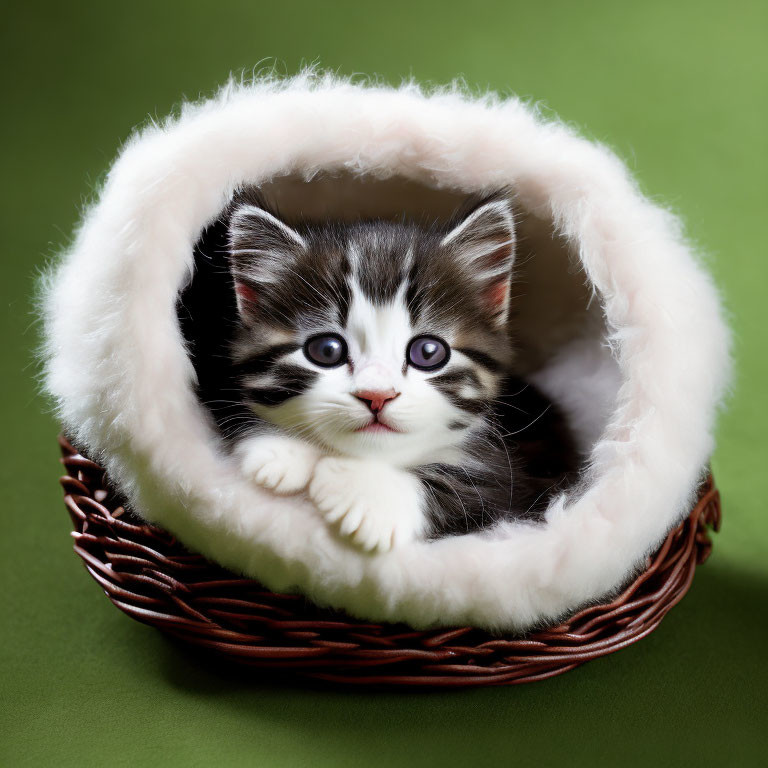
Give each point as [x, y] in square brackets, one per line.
[372, 356]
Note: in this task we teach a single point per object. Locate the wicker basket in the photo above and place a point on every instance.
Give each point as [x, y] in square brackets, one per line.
[150, 576]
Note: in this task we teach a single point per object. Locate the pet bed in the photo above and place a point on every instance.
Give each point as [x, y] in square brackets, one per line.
[617, 322]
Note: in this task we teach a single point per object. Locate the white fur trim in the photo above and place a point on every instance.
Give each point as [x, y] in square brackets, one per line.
[124, 384]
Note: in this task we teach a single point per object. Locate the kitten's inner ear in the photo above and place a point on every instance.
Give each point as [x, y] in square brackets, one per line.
[485, 241]
[261, 247]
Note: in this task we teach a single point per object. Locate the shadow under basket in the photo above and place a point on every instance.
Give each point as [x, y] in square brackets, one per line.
[151, 577]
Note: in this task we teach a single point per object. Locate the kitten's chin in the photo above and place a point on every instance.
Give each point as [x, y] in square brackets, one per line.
[377, 427]
[371, 441]
[394, 447]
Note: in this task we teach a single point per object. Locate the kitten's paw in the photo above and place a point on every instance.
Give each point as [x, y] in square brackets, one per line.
[374, 505]
[282, 464]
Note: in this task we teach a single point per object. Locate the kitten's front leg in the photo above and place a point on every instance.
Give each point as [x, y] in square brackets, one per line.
[375, 505]
[278, 462]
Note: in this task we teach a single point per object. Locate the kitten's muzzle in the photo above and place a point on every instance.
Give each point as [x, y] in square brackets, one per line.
[375, 400]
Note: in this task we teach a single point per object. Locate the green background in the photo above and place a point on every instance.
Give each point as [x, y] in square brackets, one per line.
[677, 88]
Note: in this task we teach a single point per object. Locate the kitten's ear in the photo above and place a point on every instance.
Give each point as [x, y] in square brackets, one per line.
[261, 246]
[485, 241]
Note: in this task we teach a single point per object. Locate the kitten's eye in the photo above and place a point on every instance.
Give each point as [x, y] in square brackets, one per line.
[327, 350]
[428, 353]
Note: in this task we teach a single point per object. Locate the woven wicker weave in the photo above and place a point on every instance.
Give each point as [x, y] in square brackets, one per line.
[147, 574]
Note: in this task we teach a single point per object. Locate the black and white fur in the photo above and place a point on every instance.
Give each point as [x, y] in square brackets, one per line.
[445, 465]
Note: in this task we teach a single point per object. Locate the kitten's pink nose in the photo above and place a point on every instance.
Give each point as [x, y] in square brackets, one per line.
[376, 399]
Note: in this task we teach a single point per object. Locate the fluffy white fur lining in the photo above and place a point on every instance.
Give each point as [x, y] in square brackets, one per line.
[118, 368]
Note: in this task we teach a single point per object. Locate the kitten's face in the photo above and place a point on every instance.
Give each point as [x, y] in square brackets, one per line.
[373, 339]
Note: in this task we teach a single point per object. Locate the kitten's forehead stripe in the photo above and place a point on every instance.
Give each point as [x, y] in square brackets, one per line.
[414, 297]
[380, 259]
[344, 297]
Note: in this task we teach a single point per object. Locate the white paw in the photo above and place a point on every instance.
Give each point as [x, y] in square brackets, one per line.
[374, 505]
[282, 464]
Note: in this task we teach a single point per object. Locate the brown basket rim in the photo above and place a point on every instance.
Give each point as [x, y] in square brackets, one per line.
[152, 578]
